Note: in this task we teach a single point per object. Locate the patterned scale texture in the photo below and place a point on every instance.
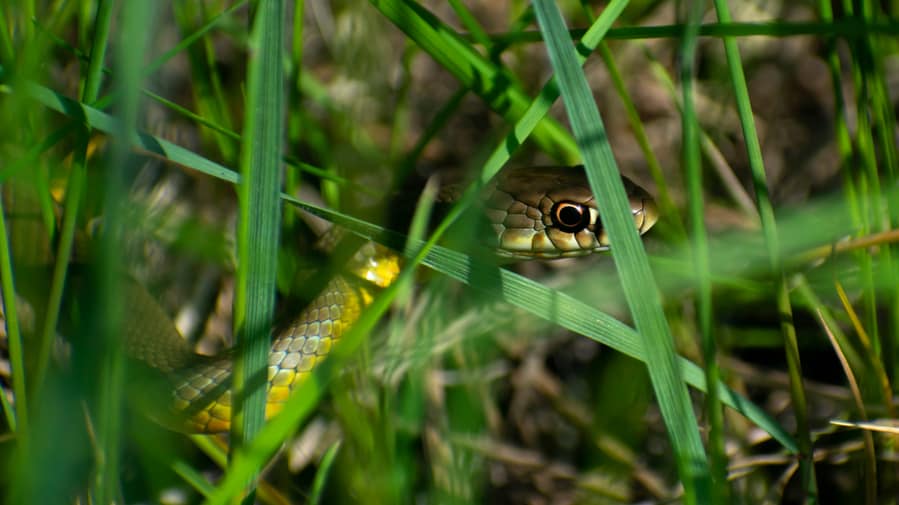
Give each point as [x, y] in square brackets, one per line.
[202, 397]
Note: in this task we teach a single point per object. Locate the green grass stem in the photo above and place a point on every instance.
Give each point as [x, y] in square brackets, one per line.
[259, 225]
[630, 258]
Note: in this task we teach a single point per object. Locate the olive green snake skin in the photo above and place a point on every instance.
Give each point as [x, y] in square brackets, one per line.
[543, 213]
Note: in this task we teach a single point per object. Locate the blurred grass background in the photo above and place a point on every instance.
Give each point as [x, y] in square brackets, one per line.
[773, 256]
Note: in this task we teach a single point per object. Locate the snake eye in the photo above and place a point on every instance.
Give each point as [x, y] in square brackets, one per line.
[570, 217]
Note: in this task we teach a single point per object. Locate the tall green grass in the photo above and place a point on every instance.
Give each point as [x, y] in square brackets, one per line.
[424, 405]
[259, 223]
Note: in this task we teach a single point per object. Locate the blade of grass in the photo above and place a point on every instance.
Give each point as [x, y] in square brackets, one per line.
[27, 11]
[848, 27]
[883, 117]
[531, 116]
[19, 422]
[879, 127]
[105, 315]
[293, 122]
[192, 477]
[142, 141]
[74, 193]
[156, 64]
[321, 475]
[692, 164]
[772, 243]
[475, 30]
[870, 457]
[865, 170]
[630, 258]
[196, 35]
[259, 225]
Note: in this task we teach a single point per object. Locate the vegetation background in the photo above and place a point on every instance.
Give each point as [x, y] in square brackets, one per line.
[769, 142]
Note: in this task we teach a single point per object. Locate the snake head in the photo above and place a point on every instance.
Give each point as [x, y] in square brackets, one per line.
[550, 212]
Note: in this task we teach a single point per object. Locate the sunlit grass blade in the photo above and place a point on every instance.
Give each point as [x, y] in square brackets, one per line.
[692, 166]
[633, 266]
[142, 141]
[259, 223]
[772, 243]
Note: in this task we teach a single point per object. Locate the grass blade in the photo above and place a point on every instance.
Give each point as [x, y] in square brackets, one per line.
[633, 266]
[772, 243]
[700, 249]
[19, 422]
[259, 223]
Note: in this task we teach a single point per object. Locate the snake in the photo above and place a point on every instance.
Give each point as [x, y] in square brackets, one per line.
[533, 213]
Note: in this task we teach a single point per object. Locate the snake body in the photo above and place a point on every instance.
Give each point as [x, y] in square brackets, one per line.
[535, 213]
[545, 212]
[201, 398]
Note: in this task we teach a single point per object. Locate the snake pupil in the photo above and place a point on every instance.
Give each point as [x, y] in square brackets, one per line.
[570, 217]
